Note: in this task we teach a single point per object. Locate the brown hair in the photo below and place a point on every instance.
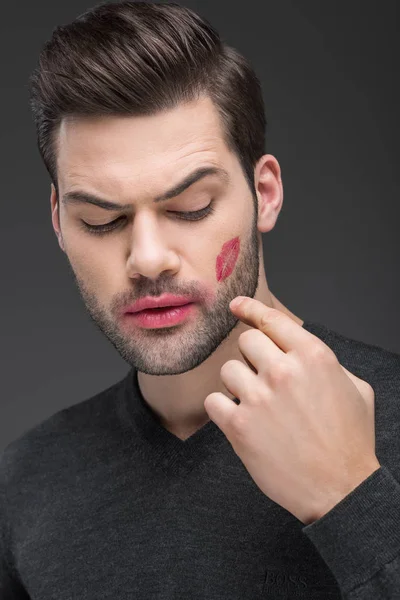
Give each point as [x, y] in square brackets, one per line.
[139, 58]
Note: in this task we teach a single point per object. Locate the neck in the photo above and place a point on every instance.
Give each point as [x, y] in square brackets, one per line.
[178, 401]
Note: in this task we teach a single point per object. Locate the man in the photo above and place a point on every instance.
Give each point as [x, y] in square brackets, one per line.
[248, 453]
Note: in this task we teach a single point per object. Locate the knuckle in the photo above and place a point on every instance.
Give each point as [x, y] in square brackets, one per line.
[280, 372]
[258, 397]
[369, 390]
[238, 424]
[320, 353]
[268, 317]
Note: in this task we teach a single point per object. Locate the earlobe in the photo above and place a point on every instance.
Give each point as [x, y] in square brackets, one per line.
[61, 242]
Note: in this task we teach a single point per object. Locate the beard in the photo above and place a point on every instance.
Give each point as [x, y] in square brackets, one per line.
[182, 347]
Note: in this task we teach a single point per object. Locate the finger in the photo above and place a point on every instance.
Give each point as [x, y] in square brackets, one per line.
[238, 379]
[221, 410]
[258, 350]
[282, 329]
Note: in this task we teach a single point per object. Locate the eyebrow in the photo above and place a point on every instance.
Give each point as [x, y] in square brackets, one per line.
[77, 197]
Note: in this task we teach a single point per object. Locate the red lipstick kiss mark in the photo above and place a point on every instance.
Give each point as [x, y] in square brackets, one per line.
[227, 258]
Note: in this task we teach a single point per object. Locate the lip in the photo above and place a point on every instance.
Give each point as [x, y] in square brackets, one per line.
[157, 319]
[152, 302]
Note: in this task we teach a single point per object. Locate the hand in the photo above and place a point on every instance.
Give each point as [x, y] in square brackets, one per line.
[304, 428]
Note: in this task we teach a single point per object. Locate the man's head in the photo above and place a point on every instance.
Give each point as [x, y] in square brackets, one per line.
[129, 100]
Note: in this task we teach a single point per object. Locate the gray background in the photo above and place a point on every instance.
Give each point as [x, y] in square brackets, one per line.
[329, 72]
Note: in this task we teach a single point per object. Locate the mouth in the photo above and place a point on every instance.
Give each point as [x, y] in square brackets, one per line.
[161, 308]
[161, 316]
[164, 301]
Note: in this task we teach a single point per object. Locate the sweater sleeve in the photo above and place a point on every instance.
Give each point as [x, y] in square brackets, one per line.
[10, 587]
[359, 539]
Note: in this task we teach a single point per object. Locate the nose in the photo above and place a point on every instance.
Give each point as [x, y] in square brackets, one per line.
[150, 252]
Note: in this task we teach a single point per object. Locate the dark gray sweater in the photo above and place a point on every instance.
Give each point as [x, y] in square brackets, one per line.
[100, 501]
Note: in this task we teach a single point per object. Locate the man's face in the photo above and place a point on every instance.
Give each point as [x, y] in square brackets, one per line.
[152, 250]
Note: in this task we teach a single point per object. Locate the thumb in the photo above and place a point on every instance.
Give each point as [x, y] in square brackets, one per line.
[365, 389]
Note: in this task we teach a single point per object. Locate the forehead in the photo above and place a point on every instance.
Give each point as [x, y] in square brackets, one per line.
[111, 153]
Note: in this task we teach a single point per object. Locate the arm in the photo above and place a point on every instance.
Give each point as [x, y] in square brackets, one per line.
[359, 539]
[10, 587]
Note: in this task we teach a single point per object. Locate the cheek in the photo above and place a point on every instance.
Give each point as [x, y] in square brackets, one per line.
[226, 259]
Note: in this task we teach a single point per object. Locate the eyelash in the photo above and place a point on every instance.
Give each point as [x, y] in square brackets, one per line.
[108, 227]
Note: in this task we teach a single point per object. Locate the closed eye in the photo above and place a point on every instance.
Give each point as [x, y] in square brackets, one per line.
[186, 216]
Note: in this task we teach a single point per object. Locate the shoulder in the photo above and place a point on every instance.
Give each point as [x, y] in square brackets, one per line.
[365, 360]
[370, 358]
[56, 439]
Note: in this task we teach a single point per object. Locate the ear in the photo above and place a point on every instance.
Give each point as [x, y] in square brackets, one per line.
[269, 189]
[55, 217]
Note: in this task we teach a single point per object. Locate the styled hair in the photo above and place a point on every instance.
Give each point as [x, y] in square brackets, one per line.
[140, 58]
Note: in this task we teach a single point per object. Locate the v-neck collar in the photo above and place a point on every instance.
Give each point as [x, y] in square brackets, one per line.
[163, 447]
[160, 445]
